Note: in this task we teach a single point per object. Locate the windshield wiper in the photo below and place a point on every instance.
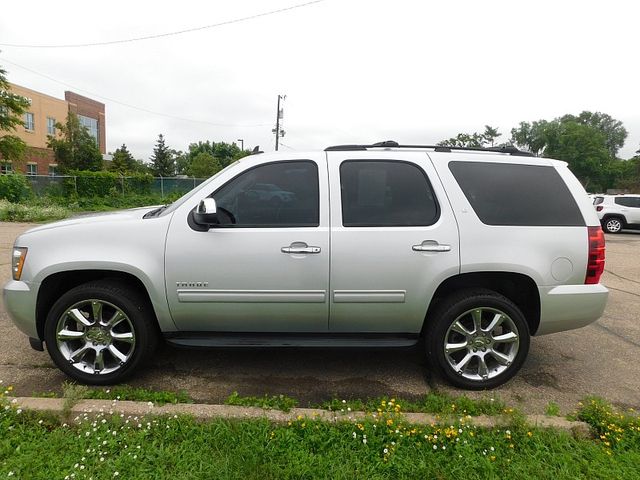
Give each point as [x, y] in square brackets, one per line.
[156, 211]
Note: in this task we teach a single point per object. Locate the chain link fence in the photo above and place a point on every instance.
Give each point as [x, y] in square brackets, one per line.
[87, 185]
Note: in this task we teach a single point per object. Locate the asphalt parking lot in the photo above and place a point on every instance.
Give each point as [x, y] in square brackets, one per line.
[601, 359]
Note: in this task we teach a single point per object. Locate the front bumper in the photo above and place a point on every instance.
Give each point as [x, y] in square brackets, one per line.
[567, 307]
[20, 302]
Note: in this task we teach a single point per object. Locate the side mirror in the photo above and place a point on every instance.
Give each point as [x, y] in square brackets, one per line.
[206, 214]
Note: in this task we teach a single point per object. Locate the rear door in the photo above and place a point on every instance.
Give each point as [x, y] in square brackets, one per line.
[394, 239]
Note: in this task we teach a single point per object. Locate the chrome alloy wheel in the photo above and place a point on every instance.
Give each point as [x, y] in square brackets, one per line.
[481, 343]
[95, 337]
[613, 225]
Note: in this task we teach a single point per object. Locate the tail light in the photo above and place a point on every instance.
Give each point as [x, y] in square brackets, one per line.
[599, 208]
[595, 265]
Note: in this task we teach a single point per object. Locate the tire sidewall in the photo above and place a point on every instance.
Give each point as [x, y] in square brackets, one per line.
[606, 224]
[136, 312]
[449, 313]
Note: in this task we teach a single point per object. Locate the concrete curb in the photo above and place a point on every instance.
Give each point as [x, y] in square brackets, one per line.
[207, 412]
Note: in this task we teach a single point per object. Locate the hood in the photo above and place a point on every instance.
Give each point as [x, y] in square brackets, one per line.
[119, 215]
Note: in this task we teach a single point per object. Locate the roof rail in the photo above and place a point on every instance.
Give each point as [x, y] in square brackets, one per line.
[509, 149]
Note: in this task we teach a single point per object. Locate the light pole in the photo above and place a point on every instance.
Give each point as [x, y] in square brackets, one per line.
[241, 143]
[279, 114]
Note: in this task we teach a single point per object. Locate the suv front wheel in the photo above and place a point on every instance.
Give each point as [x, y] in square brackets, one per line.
[99, 332]
[477, 339]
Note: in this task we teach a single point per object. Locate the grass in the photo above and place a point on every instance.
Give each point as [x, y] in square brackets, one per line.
[385, 447]
[17, 212]
[72, 393]
[553, 409]
[269, 402]
[434, 402]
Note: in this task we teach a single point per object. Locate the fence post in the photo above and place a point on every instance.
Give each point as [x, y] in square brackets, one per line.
[194, 181]
[75, 184]
[161, 187]
[122, 183]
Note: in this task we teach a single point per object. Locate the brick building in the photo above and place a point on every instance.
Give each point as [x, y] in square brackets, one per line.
[40, 121]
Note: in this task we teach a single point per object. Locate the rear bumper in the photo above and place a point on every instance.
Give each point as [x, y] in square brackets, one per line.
[20, 303]
[567, 307]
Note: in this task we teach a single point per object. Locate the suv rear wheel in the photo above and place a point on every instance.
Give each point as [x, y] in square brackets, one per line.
[99, 332]
[477, 339]
[613, 225]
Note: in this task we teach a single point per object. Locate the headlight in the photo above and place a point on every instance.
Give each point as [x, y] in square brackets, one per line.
[17, 261]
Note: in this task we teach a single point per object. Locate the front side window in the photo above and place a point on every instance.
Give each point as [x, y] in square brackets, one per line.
[29, 123]
[386, 194]
[280, 194]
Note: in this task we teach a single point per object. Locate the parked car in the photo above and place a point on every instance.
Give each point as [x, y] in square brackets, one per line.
[470, 252]
[617, 212]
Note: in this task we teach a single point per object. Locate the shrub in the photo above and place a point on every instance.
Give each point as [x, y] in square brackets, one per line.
[14, 187]
[105, 184]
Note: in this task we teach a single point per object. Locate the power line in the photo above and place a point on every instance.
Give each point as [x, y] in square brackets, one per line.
[166, 34]
[142, 109]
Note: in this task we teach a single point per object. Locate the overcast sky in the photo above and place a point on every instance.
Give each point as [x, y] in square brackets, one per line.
[353, 70]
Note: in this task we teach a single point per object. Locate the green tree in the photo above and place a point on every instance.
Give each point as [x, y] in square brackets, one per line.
[162, 161]
[12, 107]
[224, 153]
[75, 148]
[613, 130]
[473, 140]
[203, 166]
[123, 161]
[584, 148]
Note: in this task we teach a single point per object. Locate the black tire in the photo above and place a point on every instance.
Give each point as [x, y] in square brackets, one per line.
[140, 319]
[488, 303]
[613, 224]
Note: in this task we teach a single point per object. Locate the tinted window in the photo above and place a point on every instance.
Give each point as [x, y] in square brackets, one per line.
[282, 194]
[512, 194]
[628, 201]
[598, 200]
[385, 193]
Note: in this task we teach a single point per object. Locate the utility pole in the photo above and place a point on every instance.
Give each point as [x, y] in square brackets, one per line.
[279, 114]
[241, 143]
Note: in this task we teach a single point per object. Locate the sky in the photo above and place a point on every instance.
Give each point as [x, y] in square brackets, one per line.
[353, 71]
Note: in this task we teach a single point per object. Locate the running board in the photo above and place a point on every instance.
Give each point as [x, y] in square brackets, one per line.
[206, 339]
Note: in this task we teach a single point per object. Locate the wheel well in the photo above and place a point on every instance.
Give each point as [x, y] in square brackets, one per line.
[518, 288]
[56, 285]
[614, 215]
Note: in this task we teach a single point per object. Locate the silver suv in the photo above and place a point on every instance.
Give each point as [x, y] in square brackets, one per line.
[618, 211]
[471, 252]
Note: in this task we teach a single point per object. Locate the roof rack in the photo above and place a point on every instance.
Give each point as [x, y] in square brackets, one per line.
[510, 149]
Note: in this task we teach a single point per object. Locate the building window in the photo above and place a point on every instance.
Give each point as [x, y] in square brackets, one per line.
[32, 169]
[53, 170]
[5, 168]
[51, 126]
[29, 123]
[91, 124]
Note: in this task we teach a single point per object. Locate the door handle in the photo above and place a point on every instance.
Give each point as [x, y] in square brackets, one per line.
[300, 249]
[431, 247]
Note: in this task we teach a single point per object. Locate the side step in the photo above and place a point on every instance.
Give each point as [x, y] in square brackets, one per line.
[269, 340]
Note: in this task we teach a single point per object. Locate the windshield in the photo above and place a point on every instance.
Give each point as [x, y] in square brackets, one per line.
[172, 207]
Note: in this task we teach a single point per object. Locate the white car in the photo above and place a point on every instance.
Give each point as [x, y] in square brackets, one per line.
[468, 252]
[617, 212]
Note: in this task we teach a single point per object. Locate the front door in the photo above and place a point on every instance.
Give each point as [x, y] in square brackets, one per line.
[266, 268]
[394, 239]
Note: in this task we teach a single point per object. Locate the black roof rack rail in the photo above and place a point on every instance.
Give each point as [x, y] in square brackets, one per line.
[510, 149]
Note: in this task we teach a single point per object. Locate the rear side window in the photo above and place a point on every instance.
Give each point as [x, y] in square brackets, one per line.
[519, 195]
[380, 193]
[628, 201]
[598, 200]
